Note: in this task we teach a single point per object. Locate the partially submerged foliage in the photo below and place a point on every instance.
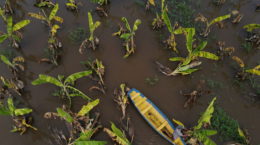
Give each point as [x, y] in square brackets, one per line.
[81, 126]
[102, 8]
[127, 34]
[121, 99]
[98, 68]
[92, 41]
[22, 121]
[208, 23]
[66, 85]
[44, 3]
[158, 21]
[12, 31]
[117, 135]
[72, 5]
[200, 134]
[15, 65]
[54, 44]
[253, 35]
[243, 72]
[187, 65]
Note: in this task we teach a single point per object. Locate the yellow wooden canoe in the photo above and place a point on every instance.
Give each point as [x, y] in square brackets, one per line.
[154, 116]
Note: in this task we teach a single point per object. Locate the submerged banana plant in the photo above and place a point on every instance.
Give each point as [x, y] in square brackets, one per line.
[243, 73]
[98, 68]
[19, 115]
[197, 133]
[171, 43]
[253, 36]
[44, 3]
[218, 20]
[92, 41]
[128, 36]
[12, 31]
[54, 44]
[158, 21]
[66, 85]
[80, 125]
[188, 64]
[101, 9]
[50, 19]
[117, 135]
[121, 99]
[15, 65]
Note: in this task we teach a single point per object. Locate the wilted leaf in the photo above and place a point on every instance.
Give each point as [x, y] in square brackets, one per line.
[219, 19]
[207, 55]
[239, 61]
[136, 24]
[37, 16]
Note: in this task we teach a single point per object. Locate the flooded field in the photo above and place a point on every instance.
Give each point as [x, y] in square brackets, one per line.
[241, 100]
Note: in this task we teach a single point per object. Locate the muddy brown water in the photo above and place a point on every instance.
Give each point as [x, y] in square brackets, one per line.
[134, 70]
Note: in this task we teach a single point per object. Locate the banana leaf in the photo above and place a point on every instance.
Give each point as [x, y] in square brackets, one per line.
[207, 55]
[37, 16]
[20, 25]
[6, 61]
[117, 135]
[255, 71]
[126, 24]
[87, 108]
[22, 111]
[77, 92]
[136, 24]
[251, 27]
[3, 38]
[63, 114]
[54, 12]
[73, 77]
[219, 19]
[42, 79]
[190, 32]
[206, 116]
[9, 26]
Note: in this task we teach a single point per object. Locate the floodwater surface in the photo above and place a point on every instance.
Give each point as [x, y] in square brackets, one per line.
[218, 77]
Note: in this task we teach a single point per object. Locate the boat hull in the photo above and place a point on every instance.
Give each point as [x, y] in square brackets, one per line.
[156, 119]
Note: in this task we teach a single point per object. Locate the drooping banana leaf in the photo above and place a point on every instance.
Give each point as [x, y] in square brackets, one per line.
[63, 114]
[22, 111]
[3, 38]
[207, 55]
[42, 79]
[37, 16]
[87, 108]
[255, 71]
[219, 19]
[6, 61]
[117, 135]
[251, 27]
[76, 92]
[73, 77]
